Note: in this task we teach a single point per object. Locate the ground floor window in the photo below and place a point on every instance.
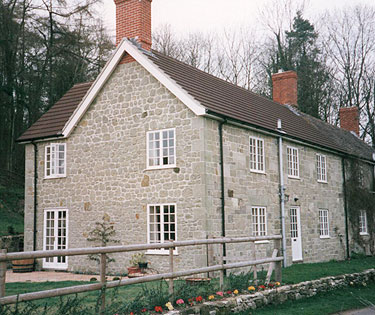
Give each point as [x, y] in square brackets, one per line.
[363, 222]
[55, 236]
[259, 221]
[324, 223]
[162, 224]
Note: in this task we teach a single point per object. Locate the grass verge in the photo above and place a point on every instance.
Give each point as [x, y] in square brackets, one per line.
[325, 303]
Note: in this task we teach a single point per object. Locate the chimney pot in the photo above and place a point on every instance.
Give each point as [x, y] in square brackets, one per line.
[285, 88]
[349, 119]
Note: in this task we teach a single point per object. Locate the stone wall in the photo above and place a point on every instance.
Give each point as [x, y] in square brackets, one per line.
[244, 189]
[279, 295]
[107, 174]
[106, 171]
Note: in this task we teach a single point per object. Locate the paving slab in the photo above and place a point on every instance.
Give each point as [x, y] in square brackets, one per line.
[43, 276]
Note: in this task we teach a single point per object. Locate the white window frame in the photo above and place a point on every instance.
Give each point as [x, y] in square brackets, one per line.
[293, 166]
[324, 223]
[55, 264]
[363, 228]
[321, 171]
[258, 223]
[160, 166]
[54, 169]
[257, 161]
[161, 251]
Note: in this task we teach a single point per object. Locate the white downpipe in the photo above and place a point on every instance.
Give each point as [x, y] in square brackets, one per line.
[282, 199]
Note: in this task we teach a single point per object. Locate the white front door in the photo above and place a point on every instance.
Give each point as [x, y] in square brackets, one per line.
[295, 234]
[55, 237]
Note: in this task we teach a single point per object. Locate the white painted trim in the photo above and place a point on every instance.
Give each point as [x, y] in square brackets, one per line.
[55, 265]
[328, 234]
[161, 251]
[287, 156]
[263, 156]
[258, 216]
[55, 175]
[164, 79]
[127, 46]
[325, 168]
[156, 167]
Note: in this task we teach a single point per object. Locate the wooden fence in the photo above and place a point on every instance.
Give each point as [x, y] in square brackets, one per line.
[274, 261]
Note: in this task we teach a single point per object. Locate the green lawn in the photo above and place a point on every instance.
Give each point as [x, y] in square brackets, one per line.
[303, 272]
[10, 204]
[325, 303]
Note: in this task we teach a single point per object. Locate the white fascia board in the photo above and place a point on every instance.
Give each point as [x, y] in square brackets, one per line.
[164, 79]
[127, 46]
[94, 90]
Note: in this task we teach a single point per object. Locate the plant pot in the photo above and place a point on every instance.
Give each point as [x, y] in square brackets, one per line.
[132, 270]
[143, 265]
[23, 265]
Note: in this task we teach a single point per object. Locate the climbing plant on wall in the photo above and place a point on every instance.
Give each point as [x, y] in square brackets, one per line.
[361, 197]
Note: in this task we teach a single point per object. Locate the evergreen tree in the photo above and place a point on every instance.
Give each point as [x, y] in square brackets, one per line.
[301, 53]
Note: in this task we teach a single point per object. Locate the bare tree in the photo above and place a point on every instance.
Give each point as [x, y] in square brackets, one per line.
[350, 47]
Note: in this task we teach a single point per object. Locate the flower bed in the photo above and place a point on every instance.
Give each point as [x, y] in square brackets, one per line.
[226, 302]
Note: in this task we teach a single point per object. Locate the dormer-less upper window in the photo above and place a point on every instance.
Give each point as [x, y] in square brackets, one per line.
[293, 162]
[161, 148]
[257, 155]
[321, 168]
[55, 160]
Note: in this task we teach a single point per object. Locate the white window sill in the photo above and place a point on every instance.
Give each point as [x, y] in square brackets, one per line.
[322, 181]
[258, 172]
[159, 168]
[161, 252]
[54, 177]
[363, 234]
[262, 242]
[325, 236]
[294, 177]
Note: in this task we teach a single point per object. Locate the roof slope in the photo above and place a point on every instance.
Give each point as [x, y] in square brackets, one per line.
[232, 101]
[53, 121]
[220, 98]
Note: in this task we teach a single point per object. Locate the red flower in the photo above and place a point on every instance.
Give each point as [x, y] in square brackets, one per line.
[158, 309]
[144, 310]
[229, 292]
[199, 299]
[262, 287]
[131, 313]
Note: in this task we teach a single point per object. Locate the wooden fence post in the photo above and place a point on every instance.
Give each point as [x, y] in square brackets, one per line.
[171, 286]
[278, 276]
[221, 262]
[3, 271]
[254, 257]
[103, 263]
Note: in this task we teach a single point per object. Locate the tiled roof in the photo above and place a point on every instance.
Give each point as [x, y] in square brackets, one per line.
[231, 101]
[219, 98]
[53, 121]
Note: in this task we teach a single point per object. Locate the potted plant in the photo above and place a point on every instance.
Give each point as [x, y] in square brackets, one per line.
[138, 262]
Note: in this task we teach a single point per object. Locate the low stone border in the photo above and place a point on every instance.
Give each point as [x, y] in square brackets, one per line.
[278, 295]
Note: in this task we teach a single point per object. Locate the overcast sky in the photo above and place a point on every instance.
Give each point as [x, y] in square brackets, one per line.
[186, 16]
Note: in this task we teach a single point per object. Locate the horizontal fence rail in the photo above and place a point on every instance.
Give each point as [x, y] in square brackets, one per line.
[275, 262]
[130, 248]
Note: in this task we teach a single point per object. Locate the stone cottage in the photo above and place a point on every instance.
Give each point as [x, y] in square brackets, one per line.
[169, 152]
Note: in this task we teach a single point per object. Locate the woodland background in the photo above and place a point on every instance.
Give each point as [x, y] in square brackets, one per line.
[46, 46]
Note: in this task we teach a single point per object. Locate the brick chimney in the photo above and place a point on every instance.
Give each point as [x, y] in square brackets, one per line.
[349, 119]
[133, 20]
[285, 88]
